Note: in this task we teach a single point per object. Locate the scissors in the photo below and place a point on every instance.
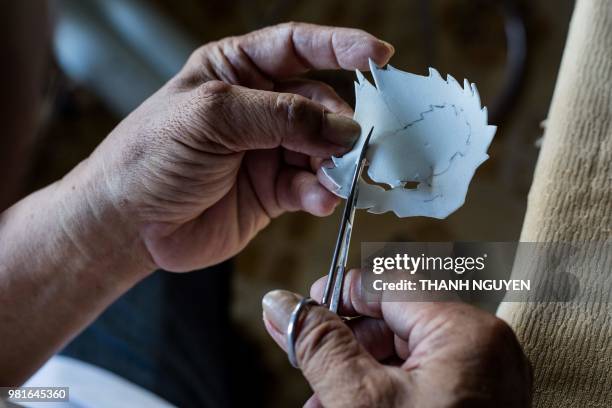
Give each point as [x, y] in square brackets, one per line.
[335, 277]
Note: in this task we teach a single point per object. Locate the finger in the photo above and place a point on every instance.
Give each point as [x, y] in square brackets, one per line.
[399, 316]
[296, 159]
[352, 303]
[241, 119]
[330, 358]
[322, 177]
[306, 162]
[371, 332]
[291, 49]
[317, 91]
[298, 189]
[316, 163]
[411, 322]
[378, 339]
[313, 402]
[325, 95]
[374, 336]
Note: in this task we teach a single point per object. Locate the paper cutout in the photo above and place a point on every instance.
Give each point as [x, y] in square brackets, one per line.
[426, 130]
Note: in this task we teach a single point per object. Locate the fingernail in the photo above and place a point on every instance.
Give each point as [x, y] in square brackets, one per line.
[341, 130]
[327, 164]
[277, 306]
[388, 46]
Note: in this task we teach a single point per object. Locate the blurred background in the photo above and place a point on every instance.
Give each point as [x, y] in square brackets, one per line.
[109, 55]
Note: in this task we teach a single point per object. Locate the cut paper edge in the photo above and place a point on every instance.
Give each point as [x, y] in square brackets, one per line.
[397, 106]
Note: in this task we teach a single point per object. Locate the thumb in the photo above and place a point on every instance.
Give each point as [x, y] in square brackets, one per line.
[339, 370]
[243, 119]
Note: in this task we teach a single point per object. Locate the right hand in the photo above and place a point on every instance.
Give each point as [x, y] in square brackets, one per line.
[412, 354]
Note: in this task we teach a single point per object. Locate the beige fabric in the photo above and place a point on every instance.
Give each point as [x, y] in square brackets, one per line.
[570, 344]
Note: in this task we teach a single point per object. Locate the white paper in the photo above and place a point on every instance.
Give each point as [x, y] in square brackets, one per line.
[426, 130]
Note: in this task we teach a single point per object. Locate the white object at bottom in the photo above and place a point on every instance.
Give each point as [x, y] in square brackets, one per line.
[90, 386]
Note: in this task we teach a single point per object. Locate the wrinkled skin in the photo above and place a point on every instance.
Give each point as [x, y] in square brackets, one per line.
[411, 354]
[232, 141]
[185, 181]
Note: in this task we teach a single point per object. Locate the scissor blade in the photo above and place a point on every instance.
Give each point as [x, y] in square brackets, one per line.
[360, 164]
[335, 275]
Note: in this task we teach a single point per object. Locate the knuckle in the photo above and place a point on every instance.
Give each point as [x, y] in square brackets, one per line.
[215, 89]
[200, 57]
[194, 72]
[222, 111]
[295, 109]
[293, 106]
[198, 54]
[214, 95]
[289, 25]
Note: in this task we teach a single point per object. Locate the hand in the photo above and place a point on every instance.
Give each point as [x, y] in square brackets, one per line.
[414, 354]
[231, 142]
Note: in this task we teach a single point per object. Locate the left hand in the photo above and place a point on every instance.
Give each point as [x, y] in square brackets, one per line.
[230, 142]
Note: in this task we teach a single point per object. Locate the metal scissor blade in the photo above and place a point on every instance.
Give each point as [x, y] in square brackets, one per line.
[335, 277]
